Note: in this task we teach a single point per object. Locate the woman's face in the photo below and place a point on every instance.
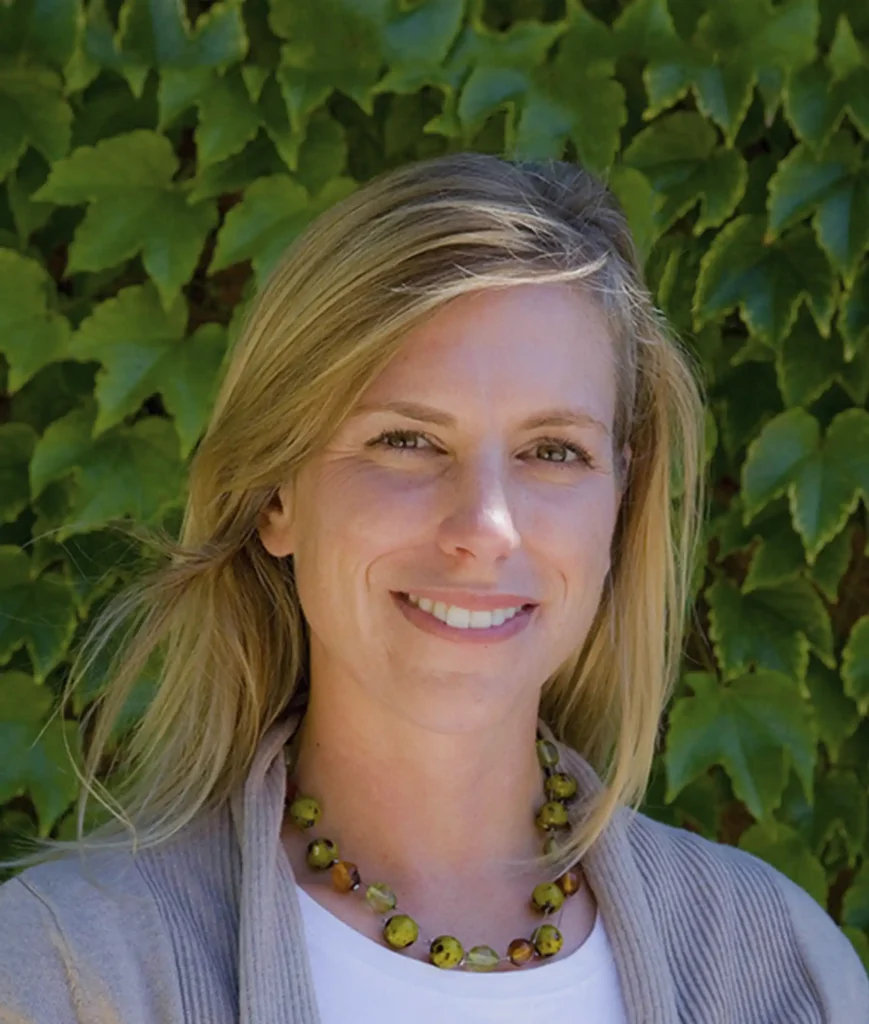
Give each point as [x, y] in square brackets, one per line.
[439, 483]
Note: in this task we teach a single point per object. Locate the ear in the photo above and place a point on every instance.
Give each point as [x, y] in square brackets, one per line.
[276, 524]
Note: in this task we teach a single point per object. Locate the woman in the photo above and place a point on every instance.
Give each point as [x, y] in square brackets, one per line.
[416, 641]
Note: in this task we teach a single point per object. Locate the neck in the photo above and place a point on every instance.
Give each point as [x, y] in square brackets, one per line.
[416, 807]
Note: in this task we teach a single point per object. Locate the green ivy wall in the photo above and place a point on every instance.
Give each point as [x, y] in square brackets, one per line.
[156, 160]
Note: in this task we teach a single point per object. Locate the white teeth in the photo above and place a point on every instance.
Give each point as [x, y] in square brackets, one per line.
[463, 618]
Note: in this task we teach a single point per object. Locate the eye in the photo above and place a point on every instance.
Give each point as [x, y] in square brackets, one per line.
[403, 437]
[559, 445]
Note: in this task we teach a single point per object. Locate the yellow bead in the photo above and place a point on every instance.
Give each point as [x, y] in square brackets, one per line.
[547, 753]
[446, 952]
[304, 811]
[380, 898]
[345, 876]
[560, 786]
[322, 854]
[520, 951]
[400, 931]
[481, 958]
[552, 815]
[547, 897]
[547, 940]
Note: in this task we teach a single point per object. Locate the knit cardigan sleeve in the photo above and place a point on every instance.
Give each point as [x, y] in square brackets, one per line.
[837, 972]
[70, 954]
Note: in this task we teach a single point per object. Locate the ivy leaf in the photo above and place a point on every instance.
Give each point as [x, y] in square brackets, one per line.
[736, 46]
[766, 282]
[35, 113]
[755, 727]
[831, 564]
[17, 441]
[771, 628]
[821, 95]
[778, 558]
[823, 481]
[783, 847]
[832, 185]
[680, 156]
[854, 314]
[584, 67]
[31, 335]
[314, 58]
[855, 906]
[129, 471]
[272, 214]
[143, 350]
[44, 31]
[228, 117]
[91, 562]
[840, 809]
[38, 614]
[855, 664]
[638, 200]
[834, 714]
[807, 363]
[157, 33]
[35, 759]
[135, 207]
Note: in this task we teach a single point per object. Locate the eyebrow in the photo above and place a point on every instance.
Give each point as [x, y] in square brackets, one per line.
[562, 416]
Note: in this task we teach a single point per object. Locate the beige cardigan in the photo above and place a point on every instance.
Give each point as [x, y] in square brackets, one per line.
[207, 928]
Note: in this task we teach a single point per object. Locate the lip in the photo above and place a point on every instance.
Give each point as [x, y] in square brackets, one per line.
[474, 602]
[495, 634]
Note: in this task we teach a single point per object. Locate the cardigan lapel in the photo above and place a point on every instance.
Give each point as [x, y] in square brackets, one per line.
[616, 880]
[275, 979]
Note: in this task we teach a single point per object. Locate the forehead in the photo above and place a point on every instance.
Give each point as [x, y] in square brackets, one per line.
[520, 346]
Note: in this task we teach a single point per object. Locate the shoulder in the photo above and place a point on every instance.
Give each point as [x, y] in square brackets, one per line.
[84, 934]
[747, 915]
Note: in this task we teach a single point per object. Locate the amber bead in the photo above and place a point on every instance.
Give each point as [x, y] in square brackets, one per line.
[570, 882]
[322, 854]
[547, 753]
[446, 952]
[547, 940]
[481, 958]
[553, 815]
[560, 786]
[547, 897]
[400, 931]
[345, 876]
[520, 951]
[304, 811]
[380, 898]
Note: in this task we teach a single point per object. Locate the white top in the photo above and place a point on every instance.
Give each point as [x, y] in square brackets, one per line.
[359, 980]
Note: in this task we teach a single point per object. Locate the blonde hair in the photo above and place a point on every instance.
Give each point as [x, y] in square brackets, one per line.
[221, 619]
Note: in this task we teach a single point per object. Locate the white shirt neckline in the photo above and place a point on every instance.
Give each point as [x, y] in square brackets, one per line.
[545, 979]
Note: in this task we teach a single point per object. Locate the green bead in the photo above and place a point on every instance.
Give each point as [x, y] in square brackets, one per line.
[481, 958]
[380, 898]
[547, 940]
[400, 931]
[547, 897]
[552, 815]
[560, 786]
[547, 753]
[322, 854]
[446, 952]
[551, 844]
[305, 811]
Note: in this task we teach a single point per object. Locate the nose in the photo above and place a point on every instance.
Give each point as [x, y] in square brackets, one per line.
[480, 522]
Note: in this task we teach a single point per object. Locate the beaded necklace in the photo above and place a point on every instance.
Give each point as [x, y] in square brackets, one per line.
[399, 931]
